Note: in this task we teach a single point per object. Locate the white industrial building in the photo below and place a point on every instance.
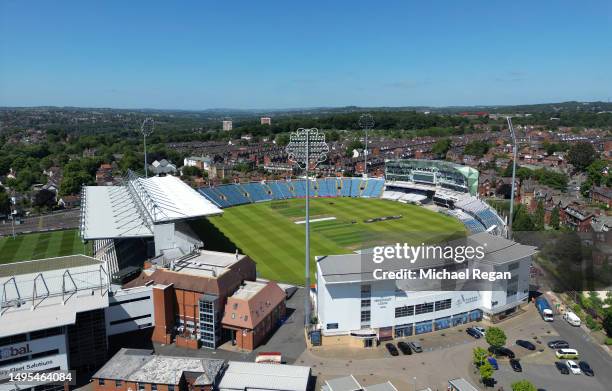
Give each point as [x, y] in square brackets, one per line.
[354, 307]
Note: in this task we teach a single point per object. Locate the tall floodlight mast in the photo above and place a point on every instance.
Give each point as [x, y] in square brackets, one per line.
[307, 148]
[366, 122]
[146, 129]
[512, 189]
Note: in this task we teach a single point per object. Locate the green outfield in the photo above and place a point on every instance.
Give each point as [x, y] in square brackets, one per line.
[268, 232]
[42, 245]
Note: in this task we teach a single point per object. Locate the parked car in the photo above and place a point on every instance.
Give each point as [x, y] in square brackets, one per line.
[404, 348]
[562, 367]
[516, 365]
[568, 354]
[573, 367]
[586, 368]
[493, 362]
[480, 330]
[558, 344]
[525, 344]
[501, 351]
[472, 332]
[392, 349]
[416, 347]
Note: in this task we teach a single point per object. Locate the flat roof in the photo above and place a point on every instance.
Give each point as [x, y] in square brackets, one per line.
[206, 263]
[461, 384]
[360, 267]
[139, 365]
[52, 289]
[388, 386]
[249, 290]
[247, 375]
[346, 383]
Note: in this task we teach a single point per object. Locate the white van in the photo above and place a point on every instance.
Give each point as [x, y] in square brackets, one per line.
[572, 318]
[568, 354]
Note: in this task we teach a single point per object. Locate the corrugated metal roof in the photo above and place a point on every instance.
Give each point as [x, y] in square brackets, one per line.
[246, 375]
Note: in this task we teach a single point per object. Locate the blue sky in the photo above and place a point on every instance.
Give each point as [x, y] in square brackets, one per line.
[279, 54]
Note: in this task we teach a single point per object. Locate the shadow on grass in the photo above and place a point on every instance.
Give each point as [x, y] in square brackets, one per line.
[212, 237]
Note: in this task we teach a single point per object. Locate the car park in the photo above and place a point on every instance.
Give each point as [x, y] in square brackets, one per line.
[586, 368]
[558, 344]
[392, 349]
[516, 365]
[562, 367]
[404, 348]
[573, 367]
[493, 362]
[502, 351]
[473, 332]
[525, 344]
[416, 347]
[568, 354]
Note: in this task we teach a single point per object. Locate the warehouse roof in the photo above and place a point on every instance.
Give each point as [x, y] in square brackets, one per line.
[271, 377]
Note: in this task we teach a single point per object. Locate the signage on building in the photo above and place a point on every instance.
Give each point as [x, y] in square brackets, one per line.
[36, 365]
[22, 349]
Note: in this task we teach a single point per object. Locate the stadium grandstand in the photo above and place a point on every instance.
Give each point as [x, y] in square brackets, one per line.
[142, 218]
[450, 187]
[225, 196]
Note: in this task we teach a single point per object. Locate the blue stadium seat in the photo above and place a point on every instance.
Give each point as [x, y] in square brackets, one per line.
[257, 192]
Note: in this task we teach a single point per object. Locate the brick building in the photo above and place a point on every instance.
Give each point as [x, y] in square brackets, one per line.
[252, 312]
[140, 370]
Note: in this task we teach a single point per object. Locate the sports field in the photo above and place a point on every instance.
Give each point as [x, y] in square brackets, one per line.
[268, 232]
[42, 245]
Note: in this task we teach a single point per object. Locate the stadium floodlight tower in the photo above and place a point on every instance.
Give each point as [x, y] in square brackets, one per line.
[512, 188]
[366, 121]
[307, 148]
[146, 129]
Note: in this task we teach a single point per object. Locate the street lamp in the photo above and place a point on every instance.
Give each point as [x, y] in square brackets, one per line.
[307, 148]
[514, 147]
[146, 129]
[366, 122]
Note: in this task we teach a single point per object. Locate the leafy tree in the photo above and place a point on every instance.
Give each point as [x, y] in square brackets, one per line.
[581, 155]
[538, 219]
[477, 148]
[554, 217]
[486, 372]
[72, 182]
[495, 337]
[480, 356]
[523, 385]
[5, 202]
[191, 171]
[44, 199]
[282, 139]
[355, 144]
[607, 321]
[441, 147]
[522, 220]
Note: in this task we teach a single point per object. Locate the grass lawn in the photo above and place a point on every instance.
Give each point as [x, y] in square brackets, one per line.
[42, 245]
[267, 231]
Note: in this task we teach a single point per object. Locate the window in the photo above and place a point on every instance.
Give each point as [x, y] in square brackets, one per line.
[365, 316]
[170, 387]
[366, 291]
[141, 387]
[101, 382]
[332, 326]
[114, 322]
[423, 308]
[117, 383]
[114, 303]
[153, 387]
[365, 303]
[401, 312]
[443, 304]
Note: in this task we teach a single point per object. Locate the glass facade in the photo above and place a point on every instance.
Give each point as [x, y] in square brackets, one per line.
[403, 330]
[459, 319]
[434, 172]
[475, 315]
[423, 327]
[209, 328]
[443, 323]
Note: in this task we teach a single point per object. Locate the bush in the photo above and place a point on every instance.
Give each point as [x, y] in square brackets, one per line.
[608, 341]
[592, 324]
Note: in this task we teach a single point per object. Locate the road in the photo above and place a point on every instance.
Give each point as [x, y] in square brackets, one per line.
[47, 222]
